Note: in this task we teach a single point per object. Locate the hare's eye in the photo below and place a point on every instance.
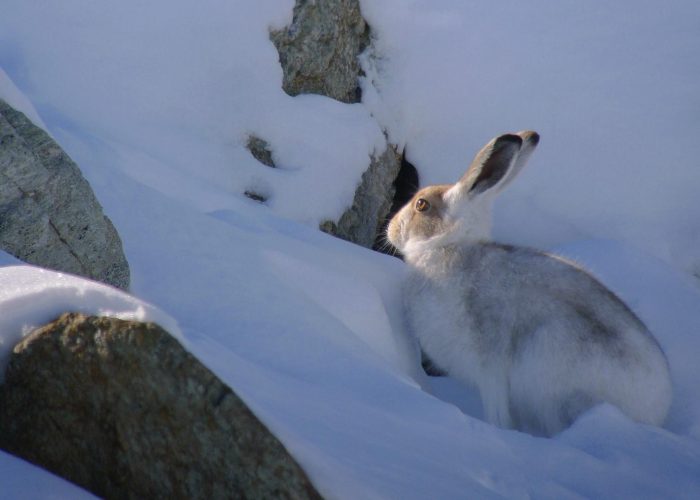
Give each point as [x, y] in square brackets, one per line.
[422, 205]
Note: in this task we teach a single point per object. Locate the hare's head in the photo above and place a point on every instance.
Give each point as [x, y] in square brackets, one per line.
[438, 216]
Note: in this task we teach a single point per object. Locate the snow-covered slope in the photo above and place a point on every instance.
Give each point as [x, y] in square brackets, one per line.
[172, 90]
[308, 329]
[610, 87]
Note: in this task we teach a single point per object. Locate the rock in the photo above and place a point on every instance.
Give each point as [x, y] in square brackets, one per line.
[318, 51]
[363, 221]
[319, 55]
[49, 215]
[120, 408]
[254, 196]
[260, 149]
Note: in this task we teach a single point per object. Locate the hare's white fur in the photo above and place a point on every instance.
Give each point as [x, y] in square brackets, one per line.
[540, 338]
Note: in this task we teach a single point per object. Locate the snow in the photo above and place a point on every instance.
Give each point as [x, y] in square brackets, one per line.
[155, 103]
[21, 479]
[15, 98]
[182, 95]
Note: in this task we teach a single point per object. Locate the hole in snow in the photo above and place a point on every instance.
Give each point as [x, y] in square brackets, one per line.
[405, 186]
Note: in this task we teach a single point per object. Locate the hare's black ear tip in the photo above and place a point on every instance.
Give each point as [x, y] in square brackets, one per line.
[530, 136]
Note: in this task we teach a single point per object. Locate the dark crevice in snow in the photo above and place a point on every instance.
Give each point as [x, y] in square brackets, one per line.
[405, 186]
[255, 196]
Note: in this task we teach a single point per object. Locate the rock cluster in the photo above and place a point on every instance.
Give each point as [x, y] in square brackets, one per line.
[319, 53]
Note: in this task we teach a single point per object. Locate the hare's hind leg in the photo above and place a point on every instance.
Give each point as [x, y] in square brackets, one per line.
[494, 393]
[544, 382]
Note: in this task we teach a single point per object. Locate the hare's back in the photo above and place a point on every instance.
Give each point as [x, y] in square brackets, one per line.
[554, 321]
[518, 289]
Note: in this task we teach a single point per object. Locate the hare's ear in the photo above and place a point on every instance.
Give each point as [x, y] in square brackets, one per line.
[491, 165]
[530, 141]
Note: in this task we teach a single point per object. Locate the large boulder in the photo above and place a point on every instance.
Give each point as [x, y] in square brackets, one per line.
[319, 53]
[120, 408]
[49, 215]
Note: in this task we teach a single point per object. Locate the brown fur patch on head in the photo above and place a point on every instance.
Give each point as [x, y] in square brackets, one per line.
[416, 222]
[427, 223]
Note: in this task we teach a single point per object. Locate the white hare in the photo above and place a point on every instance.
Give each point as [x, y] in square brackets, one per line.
[539, 337]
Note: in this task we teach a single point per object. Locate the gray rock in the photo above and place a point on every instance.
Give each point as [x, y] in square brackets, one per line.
[49, 215]
[319, 55]
[120, 408]
[362, 222]
[318, 51]
[260, 149]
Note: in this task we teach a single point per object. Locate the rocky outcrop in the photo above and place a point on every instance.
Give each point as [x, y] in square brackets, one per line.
[318, 51]
[120, 408]
[319, 55]
[49, 215]
[363, 221]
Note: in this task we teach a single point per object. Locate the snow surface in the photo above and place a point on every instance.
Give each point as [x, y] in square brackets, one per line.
[155, 101]
[22, 480]
[173, 90]
[15, 98]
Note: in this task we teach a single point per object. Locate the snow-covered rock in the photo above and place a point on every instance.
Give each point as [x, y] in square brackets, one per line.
[320, 54]
[363, 221]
